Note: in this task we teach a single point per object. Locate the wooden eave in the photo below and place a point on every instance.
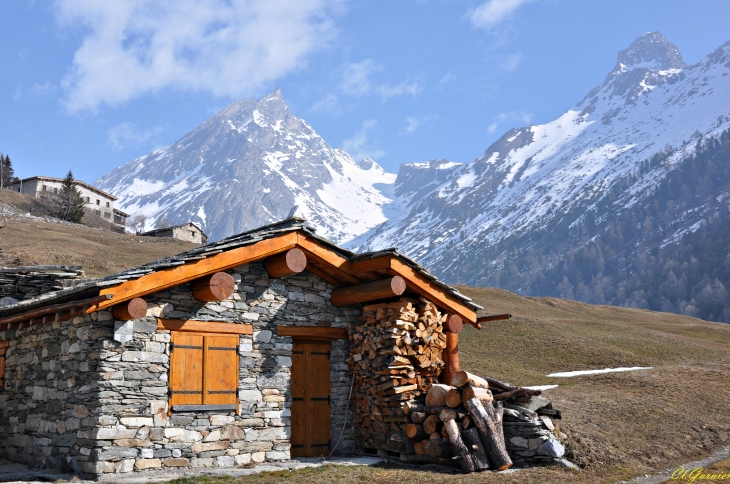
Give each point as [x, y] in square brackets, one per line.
[322, 261]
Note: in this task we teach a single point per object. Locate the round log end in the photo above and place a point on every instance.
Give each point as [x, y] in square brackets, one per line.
[216, 287]
[398, 284]
[296, 260]
[133, 309]
[454, 324]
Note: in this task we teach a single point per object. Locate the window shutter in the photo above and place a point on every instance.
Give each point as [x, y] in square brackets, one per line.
[186, 369]
[221, 370]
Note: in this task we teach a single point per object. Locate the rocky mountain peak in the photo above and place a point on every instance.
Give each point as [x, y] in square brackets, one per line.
[649, 51]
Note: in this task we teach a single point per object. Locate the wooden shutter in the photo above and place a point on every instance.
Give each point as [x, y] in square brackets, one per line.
[220, 382]
[186, 369]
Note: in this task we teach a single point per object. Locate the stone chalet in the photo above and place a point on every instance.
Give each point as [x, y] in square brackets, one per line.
[188, 232]
[232, 353]
[97, 201]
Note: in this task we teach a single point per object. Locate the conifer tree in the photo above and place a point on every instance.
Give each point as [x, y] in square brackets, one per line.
[6, 171]
[70, 201]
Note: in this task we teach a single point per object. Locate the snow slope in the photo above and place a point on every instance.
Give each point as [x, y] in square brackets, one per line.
[539, 175]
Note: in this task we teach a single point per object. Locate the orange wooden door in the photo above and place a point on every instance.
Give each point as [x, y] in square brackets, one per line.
[310, 411]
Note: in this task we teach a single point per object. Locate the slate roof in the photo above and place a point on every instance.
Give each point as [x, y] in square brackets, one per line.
[91, 288]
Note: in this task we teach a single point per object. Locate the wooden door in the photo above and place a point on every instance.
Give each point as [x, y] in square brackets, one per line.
[310, 390]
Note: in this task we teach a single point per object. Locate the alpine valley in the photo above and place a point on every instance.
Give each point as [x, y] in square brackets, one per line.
[624, 199]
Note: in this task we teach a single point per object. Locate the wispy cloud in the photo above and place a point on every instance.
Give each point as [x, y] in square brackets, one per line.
[415, 122]
[510, 62]
[360, 145]
[330, 104]
[447, 79]
[127, 135]
[492, 13]
[228, 49]
[357, 80]
[519, 116]
[356, 77]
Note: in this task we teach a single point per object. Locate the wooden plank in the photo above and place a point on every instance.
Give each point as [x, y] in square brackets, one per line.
[317, 398]
[298, 410]
[5, 343]
[310, 332]
[193, 270]
[220, 382]
[186, 369]
[204, 326]
[420, 284]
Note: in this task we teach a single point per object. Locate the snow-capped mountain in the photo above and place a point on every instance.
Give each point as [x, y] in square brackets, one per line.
[248, 166]
[543, 176]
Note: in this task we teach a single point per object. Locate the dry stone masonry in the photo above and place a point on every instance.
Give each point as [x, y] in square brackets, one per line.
[90, 394]
[30, 281]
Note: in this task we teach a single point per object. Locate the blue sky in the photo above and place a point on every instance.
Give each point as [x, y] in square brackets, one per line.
[90, 85]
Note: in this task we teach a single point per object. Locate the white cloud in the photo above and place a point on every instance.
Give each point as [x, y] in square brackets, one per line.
[42, 89]
[126, 134]
[228, 49]
[491, 13]
[510, 62]
[330, 104]
[414, 122]
[360, 146]
[492, 127]
[356, 77]
[414, 88]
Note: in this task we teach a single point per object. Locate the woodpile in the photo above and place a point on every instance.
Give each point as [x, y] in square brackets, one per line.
[401, 408]
[396, 353]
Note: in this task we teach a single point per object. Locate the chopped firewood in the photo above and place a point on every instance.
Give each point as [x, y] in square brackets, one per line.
[462, 378]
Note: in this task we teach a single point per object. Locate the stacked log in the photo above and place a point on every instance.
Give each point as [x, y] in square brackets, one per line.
[396, 351]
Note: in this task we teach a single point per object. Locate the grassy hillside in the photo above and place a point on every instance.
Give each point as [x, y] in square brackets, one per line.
[31, 240]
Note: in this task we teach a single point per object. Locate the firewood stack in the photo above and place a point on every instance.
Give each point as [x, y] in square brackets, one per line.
[396, 353]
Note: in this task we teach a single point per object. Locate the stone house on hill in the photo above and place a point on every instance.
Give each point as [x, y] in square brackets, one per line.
[97, 201]
[188, 232]
[232, 353]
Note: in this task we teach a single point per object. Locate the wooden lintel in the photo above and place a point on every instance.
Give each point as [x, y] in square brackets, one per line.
[370, 291]
[204, 326]
[310, 332]
[288, 263]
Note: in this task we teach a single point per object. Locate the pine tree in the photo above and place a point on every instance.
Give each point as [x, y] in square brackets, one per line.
[71, 203]
[6, 171]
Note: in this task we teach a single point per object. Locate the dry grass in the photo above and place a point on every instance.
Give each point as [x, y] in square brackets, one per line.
[100, 251]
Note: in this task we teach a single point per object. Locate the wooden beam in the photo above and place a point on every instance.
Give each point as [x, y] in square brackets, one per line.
[46, 312]
[450, 357]
[215, 287]
[293, 261]
[370, 291]
[454, 324]
[310, 332]
[421, 285]
[494, 317]
[338, 265]
[204, 326]
[133, 309]
[321, 273]
[370, 265]
[173, 276]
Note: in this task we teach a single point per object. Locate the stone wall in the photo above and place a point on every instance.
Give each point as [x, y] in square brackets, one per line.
[531, 441]
[30, 281]
[46, 415]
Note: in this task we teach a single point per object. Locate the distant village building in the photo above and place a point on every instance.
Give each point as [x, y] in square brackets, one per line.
[188, 232]
[97, 201]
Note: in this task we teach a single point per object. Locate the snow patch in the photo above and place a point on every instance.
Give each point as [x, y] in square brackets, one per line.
[569, 374]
